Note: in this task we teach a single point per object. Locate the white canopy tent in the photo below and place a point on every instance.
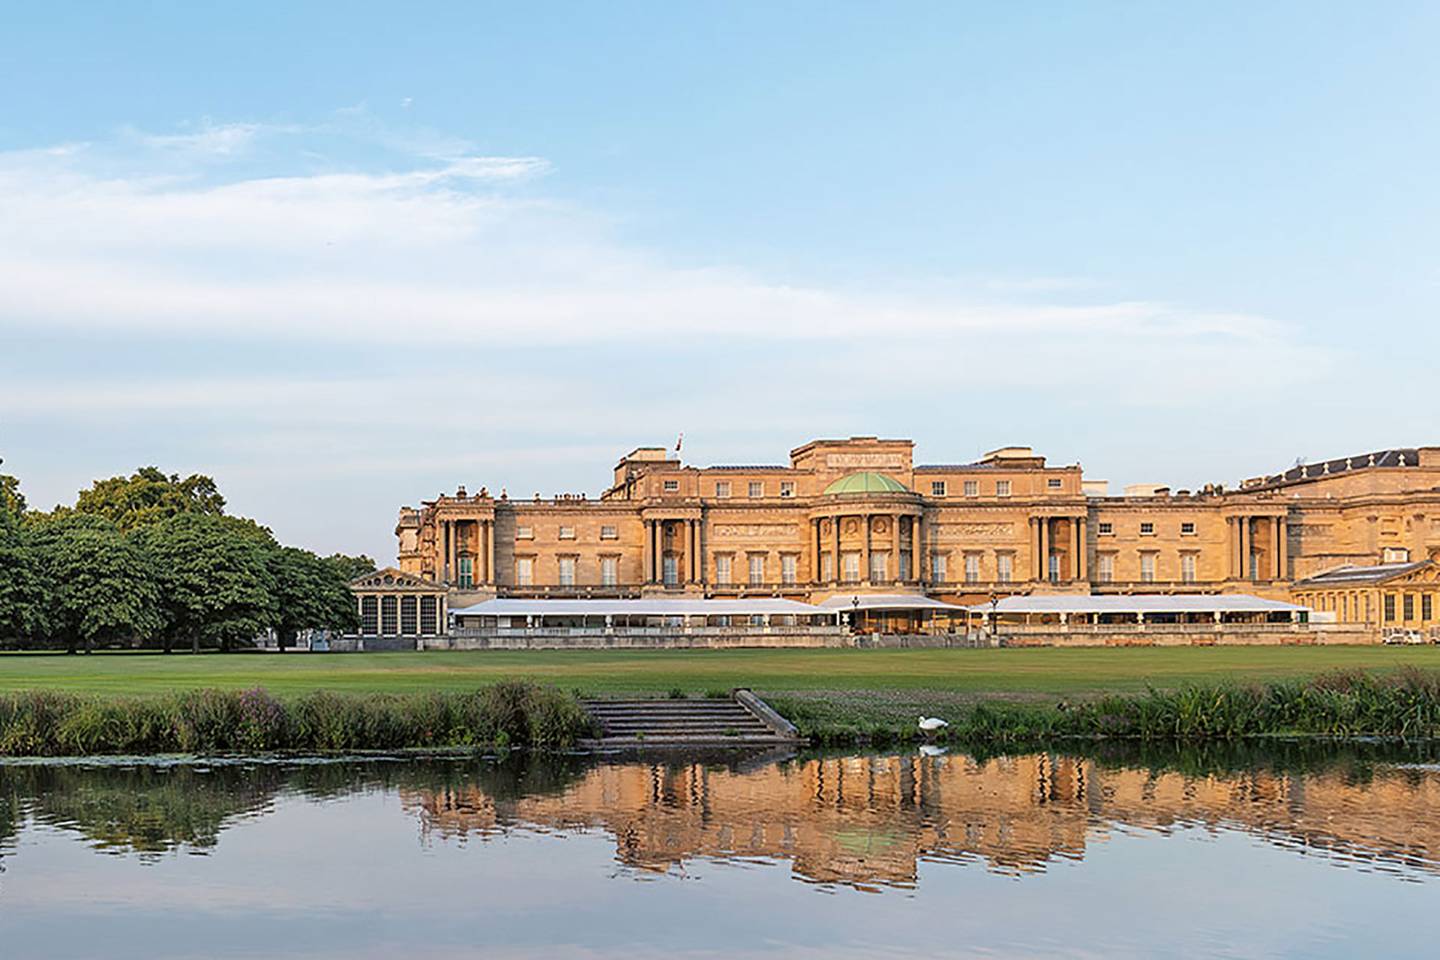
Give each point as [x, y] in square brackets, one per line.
[1141, 608]
[507, 610]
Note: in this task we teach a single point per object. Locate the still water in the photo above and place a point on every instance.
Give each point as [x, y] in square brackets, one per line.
[1291, 854]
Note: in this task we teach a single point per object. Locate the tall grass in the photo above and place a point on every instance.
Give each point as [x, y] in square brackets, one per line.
[1350, 704]
[509, 714]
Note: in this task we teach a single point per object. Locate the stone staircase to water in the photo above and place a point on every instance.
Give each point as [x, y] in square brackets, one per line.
[743, 720]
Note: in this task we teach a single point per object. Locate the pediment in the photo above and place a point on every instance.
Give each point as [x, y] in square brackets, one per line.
[393, 579]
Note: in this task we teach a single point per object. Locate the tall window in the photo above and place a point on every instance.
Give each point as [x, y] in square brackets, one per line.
[467, 573]
[1389, 608]
[1106, 564]
[1254, 566]
[1187, 568]
[524, 571]
[1427, 608]
[787, 568]
[972, 488]
[369, 616]
[409, 625]
[757, 489]
[722, 568]
[567, 571]
[937, 488]
[878, 564]
[1409, 600]
[1147, 568]
[389, 617]
[1002, 488]
[609, 571]
[972, 568]
[757, 569]
[670, 569]
[1004, 567]
[722, 489]
[1052, 564]
[902, 565]
[429, 608]
[827, 567]
[937, 567]
[852, 567]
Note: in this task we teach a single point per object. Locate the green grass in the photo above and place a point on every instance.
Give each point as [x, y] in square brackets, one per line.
[1021, 674]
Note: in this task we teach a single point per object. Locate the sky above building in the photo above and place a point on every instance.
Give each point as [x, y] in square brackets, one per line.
[345, 257]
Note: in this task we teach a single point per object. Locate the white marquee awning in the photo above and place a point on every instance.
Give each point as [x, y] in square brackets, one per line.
[1142, 603]
[886, 601]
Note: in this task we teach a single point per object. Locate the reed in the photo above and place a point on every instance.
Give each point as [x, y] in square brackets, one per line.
[1402, 704]
[508, 714]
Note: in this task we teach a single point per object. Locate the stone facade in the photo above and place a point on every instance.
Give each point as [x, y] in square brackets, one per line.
[859, 515]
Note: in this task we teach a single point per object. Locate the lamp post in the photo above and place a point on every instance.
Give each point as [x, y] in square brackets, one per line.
[855, 617]
[994, 606]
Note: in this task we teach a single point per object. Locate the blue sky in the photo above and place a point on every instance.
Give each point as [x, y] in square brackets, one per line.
[347, 256]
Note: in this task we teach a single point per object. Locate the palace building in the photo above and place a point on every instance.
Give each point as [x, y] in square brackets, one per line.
[859, 516]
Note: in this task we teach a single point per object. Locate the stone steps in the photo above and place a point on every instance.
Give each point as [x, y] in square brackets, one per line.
[742, 721]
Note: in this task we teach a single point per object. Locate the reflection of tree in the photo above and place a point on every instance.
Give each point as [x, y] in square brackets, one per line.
[145, 810]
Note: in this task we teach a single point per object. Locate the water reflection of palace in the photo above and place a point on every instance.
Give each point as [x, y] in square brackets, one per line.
[871, 820]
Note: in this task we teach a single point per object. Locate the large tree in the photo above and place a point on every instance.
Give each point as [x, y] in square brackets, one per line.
[312, 593]
[22, 591]
[148, 496]
[215, 577]
[349, 568]
[12, 501]
[100, 587]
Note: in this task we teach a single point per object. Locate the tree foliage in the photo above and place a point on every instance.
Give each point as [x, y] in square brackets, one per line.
[215, 578]
[100, 587]
[12, 501]
[153, 558]
[148, 496]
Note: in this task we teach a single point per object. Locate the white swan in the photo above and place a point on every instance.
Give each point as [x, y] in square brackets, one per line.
[932, 724]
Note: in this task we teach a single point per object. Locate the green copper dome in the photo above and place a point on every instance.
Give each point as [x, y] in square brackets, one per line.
[866, 483]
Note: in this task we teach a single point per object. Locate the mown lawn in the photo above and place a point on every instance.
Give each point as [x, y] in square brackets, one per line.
[900, 676]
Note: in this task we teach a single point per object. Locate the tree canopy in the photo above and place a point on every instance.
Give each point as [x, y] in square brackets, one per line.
[148, 496]
[154, 559]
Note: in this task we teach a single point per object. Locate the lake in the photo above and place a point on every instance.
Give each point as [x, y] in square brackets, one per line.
[1287, 852]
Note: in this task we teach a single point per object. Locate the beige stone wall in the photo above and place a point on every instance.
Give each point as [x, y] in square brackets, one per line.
[1011, 507]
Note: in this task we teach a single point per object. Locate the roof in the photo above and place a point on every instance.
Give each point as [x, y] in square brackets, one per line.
[393, 579]
[1407, 457]
[1141, 603]
[652, 607]
[1352, 575]
[884, 601]
[866, 483]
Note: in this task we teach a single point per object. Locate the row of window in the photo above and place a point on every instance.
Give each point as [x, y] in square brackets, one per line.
[971, 488]
[607, 532]
[1407, 607]
[399, 616]
[1147, 528]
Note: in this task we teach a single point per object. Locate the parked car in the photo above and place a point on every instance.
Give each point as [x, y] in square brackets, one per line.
[1405, 636]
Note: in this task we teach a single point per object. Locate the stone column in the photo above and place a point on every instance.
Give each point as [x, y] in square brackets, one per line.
[895, 544]
[865, 558]
[645, 558]
[1244, 548]
[1044, 549]
[490, 553]
[835, 556]
[1279, 549]
[1082, 550]
[450, 551]
[917, 549]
